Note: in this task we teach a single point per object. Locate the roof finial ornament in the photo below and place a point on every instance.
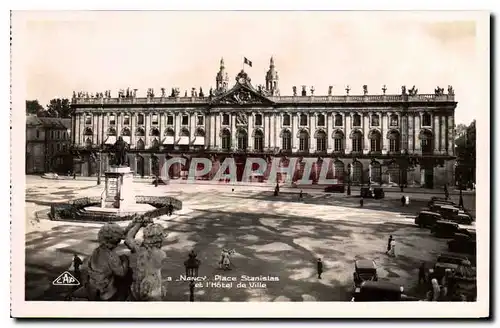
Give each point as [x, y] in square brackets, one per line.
[222, 62]
[271, 62]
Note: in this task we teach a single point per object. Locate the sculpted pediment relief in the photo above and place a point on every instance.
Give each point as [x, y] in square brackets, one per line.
[242, 96]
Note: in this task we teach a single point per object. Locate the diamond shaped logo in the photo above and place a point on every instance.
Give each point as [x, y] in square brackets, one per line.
[66, 279]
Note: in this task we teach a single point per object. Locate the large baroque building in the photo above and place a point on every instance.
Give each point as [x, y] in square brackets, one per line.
[369, 138]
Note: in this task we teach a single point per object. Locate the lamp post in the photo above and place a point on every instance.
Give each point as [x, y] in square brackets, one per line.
[192, 264]
[99, 158]
[348, 179]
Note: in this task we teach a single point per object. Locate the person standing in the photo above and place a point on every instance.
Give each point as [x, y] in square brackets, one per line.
[389, 243]
[361, 201]
[421, 273]
[319, 266]
[446, 192]
[403, 200]
[301, 195]
[77, 262]
[392, 249]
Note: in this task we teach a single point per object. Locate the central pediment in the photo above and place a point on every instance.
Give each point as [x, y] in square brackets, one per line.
[243, 93]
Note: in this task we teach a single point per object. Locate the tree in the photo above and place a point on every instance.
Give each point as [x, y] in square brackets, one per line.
[58, 108]
[33, 107]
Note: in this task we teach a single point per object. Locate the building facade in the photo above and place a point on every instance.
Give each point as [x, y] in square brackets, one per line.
[379, 138]
[48, 142]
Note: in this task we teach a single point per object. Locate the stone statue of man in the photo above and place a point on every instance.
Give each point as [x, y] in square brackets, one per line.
[120, 148]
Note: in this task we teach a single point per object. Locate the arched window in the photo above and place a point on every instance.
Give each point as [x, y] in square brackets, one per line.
[200, 132]
[303, 141]
[426, 142]
[139, 132]
[286, 138]
[286, 120]
[321, 141]
[87, 132]
[394, 141]
[394, 120]
[126, 132]
[184, 133]
[154, 132]
[426, 119]
[257, 141]
[111, 132]
[356, 120]
[375, 172]
[375, 120]
[140, 144]
[338, 169]
[338, 141]
[242, 139]
[169, 133]
[357, 141]
[88, 143]
[357, 173]
[375, 141]
[155, 144]
[226, 139]
[338, 120]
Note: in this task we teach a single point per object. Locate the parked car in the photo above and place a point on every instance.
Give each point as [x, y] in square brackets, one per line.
[364, 270]
[462, 218]
[340, 188]
[366, 192]
[452, 213]
[445, 229]
[463, 243]
[448, 261]
[439, 200]
[380, 291]
[427, 219]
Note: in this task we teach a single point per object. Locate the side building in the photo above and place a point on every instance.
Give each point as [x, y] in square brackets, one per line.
[48, 142]
[404, 138]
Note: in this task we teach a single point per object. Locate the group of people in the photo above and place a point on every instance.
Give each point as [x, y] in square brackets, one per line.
[108, 276]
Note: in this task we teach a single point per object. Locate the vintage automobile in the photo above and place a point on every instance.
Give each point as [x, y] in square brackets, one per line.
[450, 261]
[372, 192]
[366, 192]
[364, 270]
[427, 219]
[336, 188]
[445, 229]
[380, 291]
[439, 200]
[463, 243]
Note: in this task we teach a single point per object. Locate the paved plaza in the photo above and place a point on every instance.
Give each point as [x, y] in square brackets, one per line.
[272, 236]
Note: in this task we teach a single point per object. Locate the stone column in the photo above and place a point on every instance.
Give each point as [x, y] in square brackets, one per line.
[250, 131]
[404, 131]
[147, 129]
[451, 135]
[118, 124]
[418, 148]
[133, 127]
[212, 133]
[437, 139]
[161, 125]
[192, 126]
[234, 140]
[444, 135]
[218, 127]
[366, 132]
[348, 129]
[411, 133]
[312, 130]
[272, 130]
[177, 125]
[295, 130]
[279, 127]
[329, 132]
[94, 128]
[384, 130]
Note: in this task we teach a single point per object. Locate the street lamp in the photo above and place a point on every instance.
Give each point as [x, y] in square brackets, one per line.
[99, 166]
[348, 179]
[192, 264]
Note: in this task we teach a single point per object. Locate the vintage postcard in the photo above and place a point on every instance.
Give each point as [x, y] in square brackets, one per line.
[250, 164]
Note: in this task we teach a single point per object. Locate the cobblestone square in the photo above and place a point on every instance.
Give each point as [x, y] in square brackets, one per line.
[272, 236]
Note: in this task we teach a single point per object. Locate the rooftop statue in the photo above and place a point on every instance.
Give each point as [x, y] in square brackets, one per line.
[450, 90]
[403, 90]
[438, 91]
[304, 92]
[312, 90]
[413, 91]
[74, 94]
[163, 92]
[330, 88]
[365, 89]
[294, 88]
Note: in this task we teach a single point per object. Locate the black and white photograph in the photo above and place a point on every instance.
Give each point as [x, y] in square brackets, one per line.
[250, 163]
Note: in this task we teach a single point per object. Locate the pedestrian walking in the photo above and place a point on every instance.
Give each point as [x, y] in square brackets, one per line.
[170, 209]
[392, 248]
[156, 182]
[461, 200]
[301, 195]
[74, 175]
[361, 201]
[407, 201]
[403, 200]
[389, 243]
[319, 266]
[446, 193]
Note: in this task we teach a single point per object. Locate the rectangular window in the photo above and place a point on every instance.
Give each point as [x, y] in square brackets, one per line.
[225, 119]
[154, 119]
[287, 143]
[88, 119]
[286, 120]
[200, 120]
[185, 120]
[258, 119]
[126, 120]
[338, 145]
[140, 119]
[170, 120]
[338, 120]
[258, 143]
[356, 145]
[303, 120]
[321, 144]
[303, 144]
[112, 120]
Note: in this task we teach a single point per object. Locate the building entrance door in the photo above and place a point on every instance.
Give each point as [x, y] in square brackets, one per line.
[429, 178]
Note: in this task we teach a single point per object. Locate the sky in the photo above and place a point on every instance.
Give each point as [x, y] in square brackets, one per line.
[98, 51]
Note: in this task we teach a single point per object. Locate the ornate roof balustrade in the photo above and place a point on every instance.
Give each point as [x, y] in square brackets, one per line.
[275, 99]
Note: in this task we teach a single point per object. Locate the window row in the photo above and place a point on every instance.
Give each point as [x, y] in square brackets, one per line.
[200, 119]
[139, 132]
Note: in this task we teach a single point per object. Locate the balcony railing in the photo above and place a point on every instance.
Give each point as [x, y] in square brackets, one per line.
[276, 99]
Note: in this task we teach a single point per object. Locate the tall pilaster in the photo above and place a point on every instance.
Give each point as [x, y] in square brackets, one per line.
[404, 130]
[418, 148]
[312, 123]
[384, 130]
[411, 133]
[436, 131]
[251, 128]
[443, 135]
[348, 129]
[366, 132]
[234, 139]
[451, 135]
[295, 131]
[329, 132]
